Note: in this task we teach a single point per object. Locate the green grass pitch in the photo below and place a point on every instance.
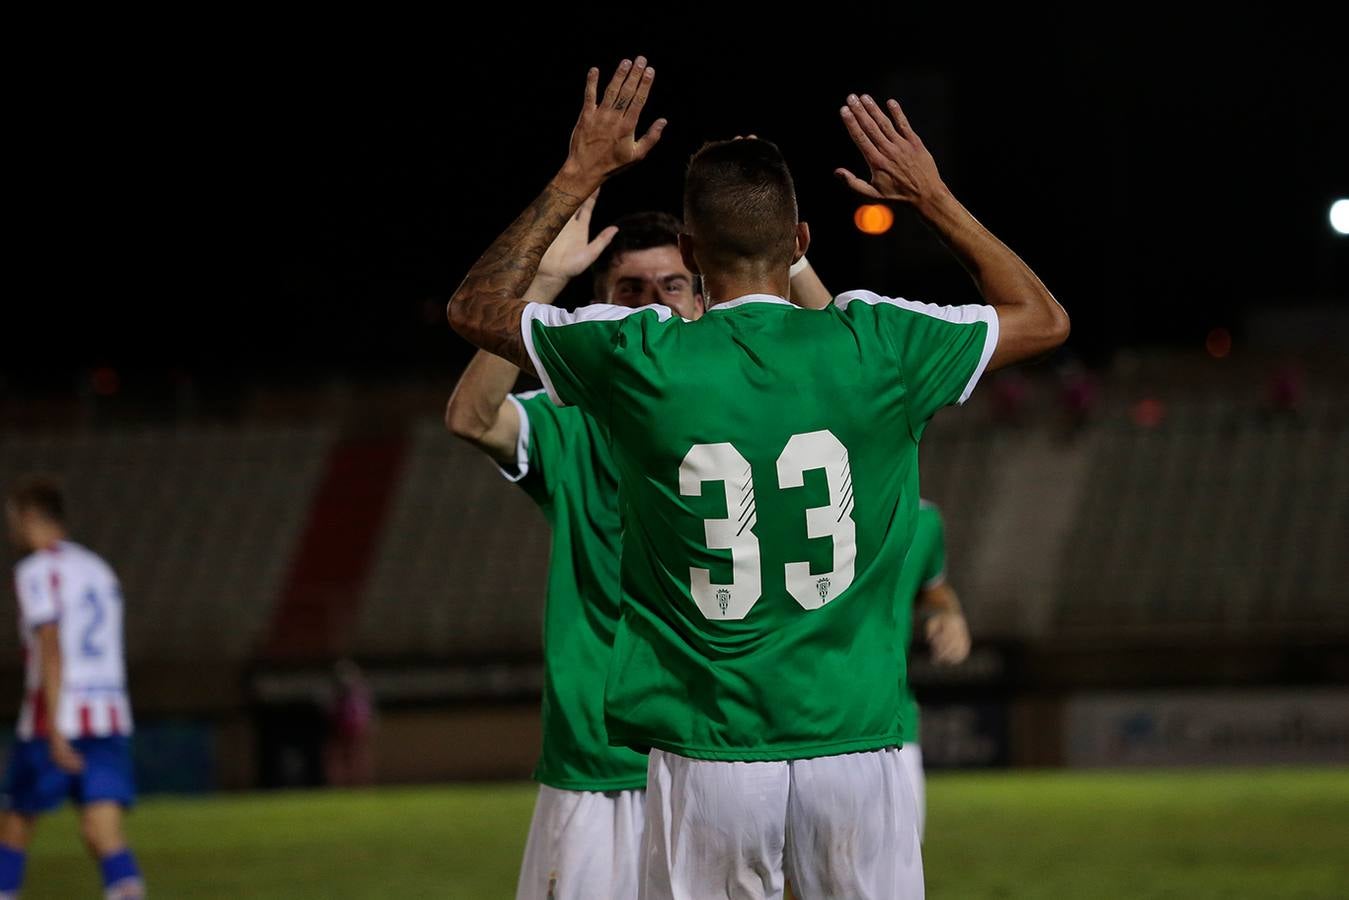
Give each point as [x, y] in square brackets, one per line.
[1251, 833]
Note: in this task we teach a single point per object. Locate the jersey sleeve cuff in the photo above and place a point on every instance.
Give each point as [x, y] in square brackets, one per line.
[513, 472]
[989, 316]
[548, 315]
[935, 581]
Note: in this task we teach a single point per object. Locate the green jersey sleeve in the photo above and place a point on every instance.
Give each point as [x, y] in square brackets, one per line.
[941, 351]
[574, 351]
[934, 566]
[540, 443]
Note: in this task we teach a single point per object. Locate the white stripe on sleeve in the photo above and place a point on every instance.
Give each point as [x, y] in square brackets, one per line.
[521, 439]
[966, 314]
[553, 317]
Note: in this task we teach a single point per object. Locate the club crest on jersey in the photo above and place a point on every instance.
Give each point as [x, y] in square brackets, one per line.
[822, 586]
[723, 599]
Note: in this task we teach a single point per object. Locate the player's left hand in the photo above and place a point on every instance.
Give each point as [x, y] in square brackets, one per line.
[949, 637]
[66, 757]
[901, 168]
[572, 251]
[605, 138]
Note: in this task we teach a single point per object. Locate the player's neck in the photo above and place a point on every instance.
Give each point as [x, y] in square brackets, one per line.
[719, 289]
[44, 536]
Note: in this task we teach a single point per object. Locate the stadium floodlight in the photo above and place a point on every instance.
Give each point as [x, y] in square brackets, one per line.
[873, 218]
[1339, 216]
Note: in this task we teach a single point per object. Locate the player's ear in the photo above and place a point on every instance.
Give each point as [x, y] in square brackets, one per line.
[802, 240]
[686, 253]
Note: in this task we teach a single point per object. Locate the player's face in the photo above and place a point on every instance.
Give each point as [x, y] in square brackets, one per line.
[655, 275]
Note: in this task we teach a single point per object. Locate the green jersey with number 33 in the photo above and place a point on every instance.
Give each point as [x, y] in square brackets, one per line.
[768, 463]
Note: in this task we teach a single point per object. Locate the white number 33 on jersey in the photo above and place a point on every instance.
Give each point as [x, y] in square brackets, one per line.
[723, 463]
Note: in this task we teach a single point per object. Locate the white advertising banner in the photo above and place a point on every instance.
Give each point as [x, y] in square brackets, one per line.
[1208, 727]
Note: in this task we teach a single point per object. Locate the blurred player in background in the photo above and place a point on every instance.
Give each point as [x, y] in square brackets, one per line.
[767, 463]
[352, 716]
[587, 824]
[924, 593]
[75, 726]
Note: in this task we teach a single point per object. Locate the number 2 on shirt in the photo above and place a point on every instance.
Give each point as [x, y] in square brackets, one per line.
[722, 462]
[89, 645]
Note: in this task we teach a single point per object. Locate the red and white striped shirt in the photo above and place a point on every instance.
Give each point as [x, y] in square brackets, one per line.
[73, 587]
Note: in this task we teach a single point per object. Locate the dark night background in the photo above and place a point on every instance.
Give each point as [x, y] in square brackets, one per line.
[258, 200]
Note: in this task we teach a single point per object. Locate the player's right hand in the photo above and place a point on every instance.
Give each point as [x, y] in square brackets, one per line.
[604, 140]
[572, 252]
[66, 757]
[949, 636]
[901, 167]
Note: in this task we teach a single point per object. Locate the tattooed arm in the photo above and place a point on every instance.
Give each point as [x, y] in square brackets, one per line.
[481, 411]
[487, 307]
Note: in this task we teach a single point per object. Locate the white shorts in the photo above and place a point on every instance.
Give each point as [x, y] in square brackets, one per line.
[912, 757]
[582, 845]
[836, 826]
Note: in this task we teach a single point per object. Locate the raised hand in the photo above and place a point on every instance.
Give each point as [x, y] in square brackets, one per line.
[901, 169]
[605, 138]
[572, 251]
[488, 306]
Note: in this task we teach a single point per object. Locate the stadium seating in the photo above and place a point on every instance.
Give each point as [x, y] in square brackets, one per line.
[199, 522]
[461, 564]
[1215, 518]
[1220, 517]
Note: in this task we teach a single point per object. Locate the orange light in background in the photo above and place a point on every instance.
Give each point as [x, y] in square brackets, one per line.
[873, 218]
[1148, 412]
[1219, 343]
[105, 382]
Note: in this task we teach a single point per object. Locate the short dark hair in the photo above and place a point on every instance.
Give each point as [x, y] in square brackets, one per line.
[39, 492]
[740, 203]
[636, 231]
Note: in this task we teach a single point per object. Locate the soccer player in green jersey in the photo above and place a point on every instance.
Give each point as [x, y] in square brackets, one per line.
[587, 823]
[925, 593]
[767, 468]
